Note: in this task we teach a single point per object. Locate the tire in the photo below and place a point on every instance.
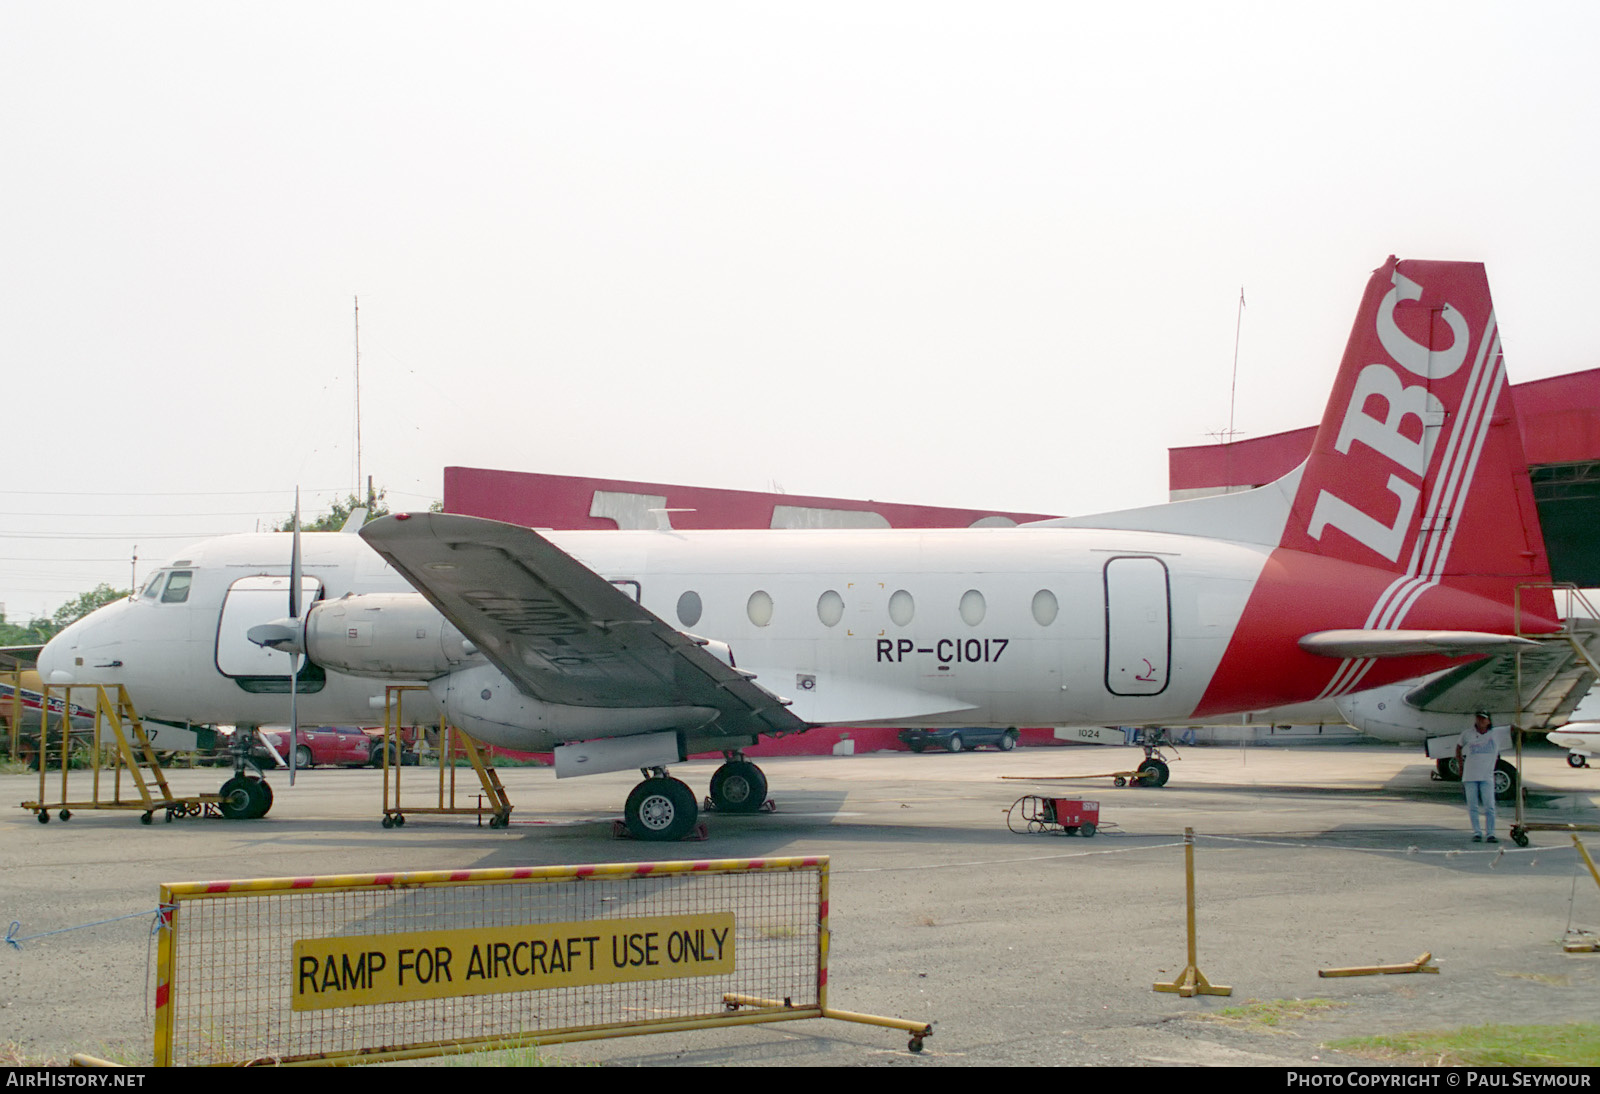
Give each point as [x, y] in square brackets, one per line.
[1449, 769]
[1086, 829]
[261, 798]
[660, 810]
[1505, 780]
[954, 743]
[302, 757]
[1154, 772]
[236, 798]
[738, 787]
[1519, 836]
[1008, 741]
[1575, 760]
[916, 746]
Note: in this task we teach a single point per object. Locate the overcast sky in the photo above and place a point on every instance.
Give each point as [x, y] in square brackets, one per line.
[984, 255]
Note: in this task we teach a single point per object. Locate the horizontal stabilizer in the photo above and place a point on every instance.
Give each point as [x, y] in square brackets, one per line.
[1380, 643]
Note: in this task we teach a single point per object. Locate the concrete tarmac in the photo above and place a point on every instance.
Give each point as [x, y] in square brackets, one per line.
[1021, 949]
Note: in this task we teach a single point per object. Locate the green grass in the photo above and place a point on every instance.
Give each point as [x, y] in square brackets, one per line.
[1574, 1045]
[1274, 1012]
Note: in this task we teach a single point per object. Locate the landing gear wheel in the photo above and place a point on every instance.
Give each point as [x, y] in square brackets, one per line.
[1087, 829]
[302, 757]
[244, 798]
[262, 796]
[236, 798]
[1154, 772]
[1008, 741]
[1575, 760]
[661, 809]
[1519, 836]
[1505, 780]
[1449, 769]
[738, 787]
[954, 744]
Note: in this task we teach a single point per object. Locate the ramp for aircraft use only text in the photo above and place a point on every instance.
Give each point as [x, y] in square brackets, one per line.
[394, 966]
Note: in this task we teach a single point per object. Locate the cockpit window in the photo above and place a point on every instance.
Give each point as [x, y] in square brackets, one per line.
[151, 586]
[177, 590]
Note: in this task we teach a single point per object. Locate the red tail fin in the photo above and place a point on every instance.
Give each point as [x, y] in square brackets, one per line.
[1418, 466]
[1414, 510]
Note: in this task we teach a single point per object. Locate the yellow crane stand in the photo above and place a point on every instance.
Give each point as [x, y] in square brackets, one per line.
[1419, 965]
[119, 748]
[451, 799]
[1191, 981]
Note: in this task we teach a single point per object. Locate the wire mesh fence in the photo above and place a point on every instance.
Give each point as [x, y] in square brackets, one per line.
[404, 964]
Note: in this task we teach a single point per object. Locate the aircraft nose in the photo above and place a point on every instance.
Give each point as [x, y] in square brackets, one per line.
[54, 662]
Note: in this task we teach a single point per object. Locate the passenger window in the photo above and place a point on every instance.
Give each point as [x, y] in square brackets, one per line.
[902, 608]
[1045, 607]
[972, 607]
[830, 608]
[689, 608]
[759, 609]
[177, 587]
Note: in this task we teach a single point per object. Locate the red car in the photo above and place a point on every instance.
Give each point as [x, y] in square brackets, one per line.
[348, 746]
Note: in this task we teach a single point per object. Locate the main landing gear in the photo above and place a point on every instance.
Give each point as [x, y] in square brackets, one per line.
[244, 797]
[663, 808]
[738, 786]
[1505, 776]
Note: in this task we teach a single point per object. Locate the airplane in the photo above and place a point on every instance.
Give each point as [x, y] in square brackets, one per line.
[1581, 736]
[1407, 541]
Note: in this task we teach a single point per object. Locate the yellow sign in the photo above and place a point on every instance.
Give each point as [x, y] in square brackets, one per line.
[393, 968]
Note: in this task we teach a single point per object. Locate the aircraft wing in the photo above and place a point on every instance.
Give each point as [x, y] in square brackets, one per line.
[1556, 673]
[561, 632]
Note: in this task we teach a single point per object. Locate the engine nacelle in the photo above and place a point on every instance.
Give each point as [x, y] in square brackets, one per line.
[386, 636]
[482, 702]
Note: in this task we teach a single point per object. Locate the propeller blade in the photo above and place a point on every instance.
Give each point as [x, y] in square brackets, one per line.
[294, 561]
[294, 658]
[294, 714]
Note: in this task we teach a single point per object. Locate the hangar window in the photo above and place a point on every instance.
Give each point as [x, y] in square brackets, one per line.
[759, 609]
[689, 608]
[1045, 607]
[830, 608]
[972, 607]
[902, 608]
[177, 590]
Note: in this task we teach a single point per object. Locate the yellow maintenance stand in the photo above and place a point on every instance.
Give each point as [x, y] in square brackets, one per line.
[118, 748]
[452, 744]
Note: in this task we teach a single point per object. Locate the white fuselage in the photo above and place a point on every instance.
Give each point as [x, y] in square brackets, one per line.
[940, 627]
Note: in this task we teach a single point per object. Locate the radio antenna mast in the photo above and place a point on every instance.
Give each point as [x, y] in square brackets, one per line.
[357, 490]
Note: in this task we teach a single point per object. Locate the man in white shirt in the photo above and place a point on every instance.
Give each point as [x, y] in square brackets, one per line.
[1476, 754]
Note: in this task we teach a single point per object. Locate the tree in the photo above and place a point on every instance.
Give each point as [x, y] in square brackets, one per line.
[376, 503]
[377, 506]
[84, 603]
[36, 632]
